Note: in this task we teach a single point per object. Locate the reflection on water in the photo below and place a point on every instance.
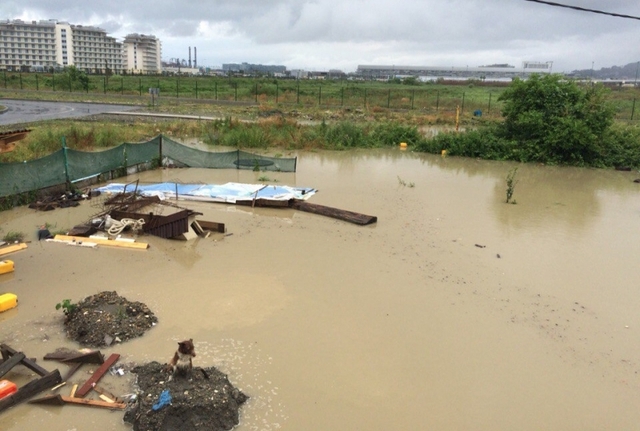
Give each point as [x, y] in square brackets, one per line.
[450, 311]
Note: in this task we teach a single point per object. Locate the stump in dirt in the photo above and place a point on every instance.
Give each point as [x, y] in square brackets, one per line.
[202, 400]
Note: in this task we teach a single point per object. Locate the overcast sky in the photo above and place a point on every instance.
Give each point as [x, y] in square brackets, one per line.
[341, 34]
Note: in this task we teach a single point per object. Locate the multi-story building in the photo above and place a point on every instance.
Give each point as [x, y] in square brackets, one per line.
[142, 54]
[43, 45]
[92, 50]
[27, 45]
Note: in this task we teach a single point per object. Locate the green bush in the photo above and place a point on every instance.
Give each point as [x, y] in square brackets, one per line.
[391, 134]
[549, 120]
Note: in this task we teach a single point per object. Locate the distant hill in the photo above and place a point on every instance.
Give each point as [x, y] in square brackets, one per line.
[629, 72]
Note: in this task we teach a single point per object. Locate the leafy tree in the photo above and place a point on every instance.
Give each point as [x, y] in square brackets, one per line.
[74, 75]
[552, 119]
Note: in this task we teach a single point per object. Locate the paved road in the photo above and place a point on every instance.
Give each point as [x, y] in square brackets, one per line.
[23, 111]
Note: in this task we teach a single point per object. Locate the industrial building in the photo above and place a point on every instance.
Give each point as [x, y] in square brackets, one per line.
[42, 45]
[451, 72]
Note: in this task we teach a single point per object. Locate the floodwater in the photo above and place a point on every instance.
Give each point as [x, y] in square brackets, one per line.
[406, 324]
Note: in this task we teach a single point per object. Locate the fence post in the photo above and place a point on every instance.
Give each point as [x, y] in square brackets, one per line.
[66, 161]
[633, 108]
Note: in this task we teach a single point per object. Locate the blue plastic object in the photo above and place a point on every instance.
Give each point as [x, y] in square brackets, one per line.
[163, 400]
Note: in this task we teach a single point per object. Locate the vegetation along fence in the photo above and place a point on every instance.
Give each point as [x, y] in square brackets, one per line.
[467, 97]
[67, 165]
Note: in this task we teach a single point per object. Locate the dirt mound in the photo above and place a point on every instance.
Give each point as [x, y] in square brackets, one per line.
[104, 318]
[202, 400]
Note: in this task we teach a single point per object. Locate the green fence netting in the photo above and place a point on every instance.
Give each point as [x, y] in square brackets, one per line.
[18, 178]
[72, 165]
[230, 160]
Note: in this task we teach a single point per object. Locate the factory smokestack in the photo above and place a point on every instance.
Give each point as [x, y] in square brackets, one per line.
[189, 57]
[195, 57]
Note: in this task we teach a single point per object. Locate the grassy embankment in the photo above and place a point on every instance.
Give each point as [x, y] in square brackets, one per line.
[268, 113]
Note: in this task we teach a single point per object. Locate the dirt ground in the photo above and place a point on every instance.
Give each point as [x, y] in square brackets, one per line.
[104, 318]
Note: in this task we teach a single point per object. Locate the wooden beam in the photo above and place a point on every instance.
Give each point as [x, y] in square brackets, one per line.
[351, 217]
[93, 357]
[107, 242]
[7, 365]
[97, 375]
[29, 363]
[12, 248]
[31, 389]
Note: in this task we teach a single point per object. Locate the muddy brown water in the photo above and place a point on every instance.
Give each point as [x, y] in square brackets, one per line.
[405, 324]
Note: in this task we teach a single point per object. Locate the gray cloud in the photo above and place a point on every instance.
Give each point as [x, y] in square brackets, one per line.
[324, 34]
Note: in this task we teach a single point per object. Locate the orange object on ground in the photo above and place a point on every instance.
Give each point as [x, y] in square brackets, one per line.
[7, 388]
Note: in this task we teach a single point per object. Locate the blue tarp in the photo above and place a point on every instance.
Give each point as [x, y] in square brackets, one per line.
[229, 192]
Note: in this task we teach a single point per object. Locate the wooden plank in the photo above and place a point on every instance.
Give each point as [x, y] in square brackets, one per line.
[72, 370]
[7, 365]
[263, 203]
[97, 375]
[59, 400]
[12, 248]
[103, 392]
[73, 391]
[211, 225]
[29, 363]
[107, 242]
[93, 357]
[349, 216]
[30, 389]
[93, 403]
[50, 400]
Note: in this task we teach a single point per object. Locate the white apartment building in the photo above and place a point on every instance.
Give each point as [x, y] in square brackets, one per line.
[50, 44]
[142, 54]
[92, 50]
[27, 45]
